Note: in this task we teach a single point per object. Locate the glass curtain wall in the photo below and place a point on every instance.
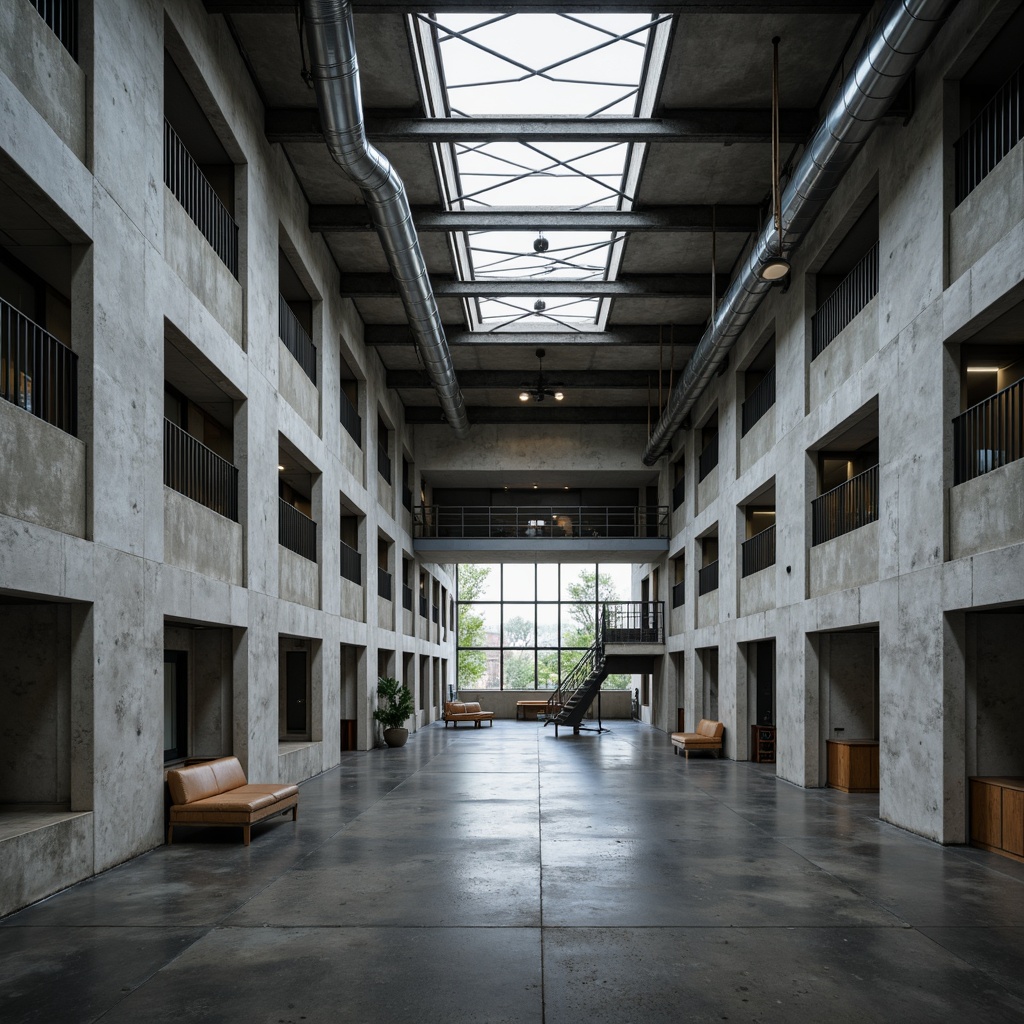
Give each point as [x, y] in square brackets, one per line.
[522, 626]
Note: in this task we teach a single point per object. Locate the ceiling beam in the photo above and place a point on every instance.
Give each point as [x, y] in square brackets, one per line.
[534, 412]
[514, 379]
[291, 125]
[688, 218]
[696, 286]
[566, 6]
[628, 335]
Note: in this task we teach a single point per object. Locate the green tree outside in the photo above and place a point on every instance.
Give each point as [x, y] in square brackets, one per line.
[472, 664]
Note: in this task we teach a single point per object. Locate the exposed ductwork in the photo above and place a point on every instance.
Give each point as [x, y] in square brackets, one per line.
[334, 69]
[901, 36]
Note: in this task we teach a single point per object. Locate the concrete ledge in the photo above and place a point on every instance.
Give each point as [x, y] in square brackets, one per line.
[297, 389]
[848, 351]
[757, 592]
[299, 761]
[844, 562]
[987, 512]
[298, 579]
[42, 851]
[201, 540]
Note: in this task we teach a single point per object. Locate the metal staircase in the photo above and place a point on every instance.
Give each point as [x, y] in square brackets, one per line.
[620, 623]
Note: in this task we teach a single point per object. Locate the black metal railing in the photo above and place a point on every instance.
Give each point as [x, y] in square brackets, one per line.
[633, 622]
[295, 338]
[854, 503]
[37, 372]
[991, 135]
[707, 578]
[62, 17]
[296, 531]
[351, 564]
[423, 607]
[384, 463]
[199, 199]
[759, 551]
[383, 583]
[855, 291]
[708, 457]
[350, 419]
[679, 594]
[678, 493]
[192, 469]
[989, 434]
[407, 598]
[760, 400]
[536, 522]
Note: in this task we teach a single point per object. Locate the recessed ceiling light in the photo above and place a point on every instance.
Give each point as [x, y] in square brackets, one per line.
[982, 369]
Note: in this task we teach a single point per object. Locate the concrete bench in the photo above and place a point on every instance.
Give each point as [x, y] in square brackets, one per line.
[217, 793]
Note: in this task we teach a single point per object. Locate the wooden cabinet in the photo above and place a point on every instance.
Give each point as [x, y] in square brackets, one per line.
[853, 765]
[762, 744]
[997, 815]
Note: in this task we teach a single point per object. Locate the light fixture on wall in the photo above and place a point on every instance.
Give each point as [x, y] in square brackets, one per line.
[542, 388]
[540, 243]
[776, 267]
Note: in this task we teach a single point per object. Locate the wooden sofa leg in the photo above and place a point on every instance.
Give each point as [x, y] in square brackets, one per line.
[170, 834]
[245, 834]
[295, 813]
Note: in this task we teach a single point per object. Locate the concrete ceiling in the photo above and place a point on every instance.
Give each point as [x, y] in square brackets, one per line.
[719, 61]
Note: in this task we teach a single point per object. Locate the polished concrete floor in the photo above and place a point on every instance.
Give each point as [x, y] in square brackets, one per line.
[501, 875]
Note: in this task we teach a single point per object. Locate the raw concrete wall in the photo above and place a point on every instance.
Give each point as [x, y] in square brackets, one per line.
[297, 389]
[848, 351]
[43, 472]
[298, 578]
[847, 662]
[35, 704]
[844, 562]
[995, 655]
[200, 540]
[757, 591]
[987, 512]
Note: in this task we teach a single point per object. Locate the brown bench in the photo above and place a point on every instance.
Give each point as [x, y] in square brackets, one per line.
[456, 711]
[707, 737]
[217, 793]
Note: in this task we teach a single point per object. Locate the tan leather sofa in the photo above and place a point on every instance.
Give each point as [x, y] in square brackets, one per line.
[456, 711]
[217, 793]
[707, 737]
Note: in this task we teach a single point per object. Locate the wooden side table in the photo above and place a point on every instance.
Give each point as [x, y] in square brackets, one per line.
[997, 815]
[853, 765]
[762, 744]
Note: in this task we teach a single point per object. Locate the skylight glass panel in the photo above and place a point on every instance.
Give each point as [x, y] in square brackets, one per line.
[539, 66]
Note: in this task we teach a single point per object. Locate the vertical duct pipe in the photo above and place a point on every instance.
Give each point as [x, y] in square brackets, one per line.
[900, 37]
[330, 36]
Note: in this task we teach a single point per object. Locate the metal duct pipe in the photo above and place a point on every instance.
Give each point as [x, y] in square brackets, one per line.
[901, 36]
[335, 72]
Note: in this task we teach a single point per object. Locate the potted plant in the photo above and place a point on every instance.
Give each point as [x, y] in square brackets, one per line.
[395, 707]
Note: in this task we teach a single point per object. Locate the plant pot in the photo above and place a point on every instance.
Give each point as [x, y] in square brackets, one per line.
[396, 737]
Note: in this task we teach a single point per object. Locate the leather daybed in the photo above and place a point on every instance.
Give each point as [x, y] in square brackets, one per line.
[707, 737]
[456, 711]
[216, 793]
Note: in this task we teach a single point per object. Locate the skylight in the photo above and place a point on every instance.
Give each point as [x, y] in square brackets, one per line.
[538, 66]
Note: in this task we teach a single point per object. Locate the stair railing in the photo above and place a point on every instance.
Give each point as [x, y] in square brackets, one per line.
[577, 676]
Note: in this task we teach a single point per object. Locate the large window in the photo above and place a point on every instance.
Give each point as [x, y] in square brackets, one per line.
[522, 626]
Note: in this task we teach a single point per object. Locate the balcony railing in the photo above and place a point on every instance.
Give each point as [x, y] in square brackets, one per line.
[296, 531]
[761, 399]
[759, 551]
[679, 594]
[632, 622]
[192, 469]
[854, 503]
[678, 493]
[350, 418]
[351, 567]
[707, 578]
[383, 583]
[536, 522]
[708, 458]
[991, 135]
[989, 434]
[384, 463]
[62, 17]
[407, 598]
[855, 291]
[37, 372]
[190, 187]
[295, 338]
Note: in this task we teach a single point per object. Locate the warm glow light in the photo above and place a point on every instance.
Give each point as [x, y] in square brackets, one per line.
[524, 396]
[982, 369]
[280, 469]
[775, 269]
[559, 396]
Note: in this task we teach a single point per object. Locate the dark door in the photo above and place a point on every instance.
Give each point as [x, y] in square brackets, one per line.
[175, 705]
[766, 682]
[295, 692]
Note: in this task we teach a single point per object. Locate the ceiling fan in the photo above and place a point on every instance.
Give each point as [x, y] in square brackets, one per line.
[542, 388]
